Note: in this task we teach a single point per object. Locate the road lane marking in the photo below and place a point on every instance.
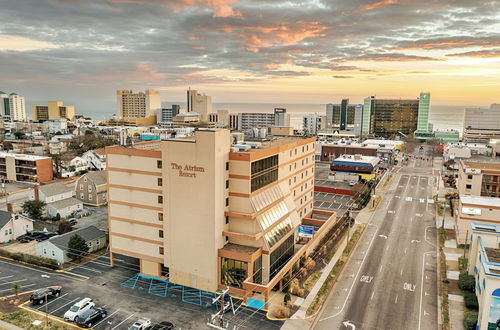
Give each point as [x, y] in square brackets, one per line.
[13, 282]
[382, 236]
[372, 295]
[409, 286]
[422, 289]
[396, 300]
[1, 278]
[401, 272]
[366, 279]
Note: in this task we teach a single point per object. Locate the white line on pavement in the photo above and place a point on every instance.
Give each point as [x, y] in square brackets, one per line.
[13, 281]
[1, 278]
[50, 302]
[72, 301]
[422, 289]
[123, 321]
[24, 286]
[396, 300]
[107, 317]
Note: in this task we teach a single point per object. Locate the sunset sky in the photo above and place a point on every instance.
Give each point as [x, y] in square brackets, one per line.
[316, 51]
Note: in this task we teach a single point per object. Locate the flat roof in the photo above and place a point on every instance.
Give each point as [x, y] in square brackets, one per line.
[358, 159]
[480, 200]
[276, 142]
[240, 248]
[485, 227]
[482, 163]
[22, 156]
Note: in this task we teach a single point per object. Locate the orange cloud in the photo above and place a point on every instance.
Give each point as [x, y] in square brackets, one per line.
[221, 8]
[257, 37]
[377, 4]
[453, 42]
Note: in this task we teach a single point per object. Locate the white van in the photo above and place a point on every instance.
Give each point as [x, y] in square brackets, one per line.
[78, 309]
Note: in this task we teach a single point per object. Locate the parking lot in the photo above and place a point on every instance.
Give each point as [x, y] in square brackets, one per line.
[96, 280]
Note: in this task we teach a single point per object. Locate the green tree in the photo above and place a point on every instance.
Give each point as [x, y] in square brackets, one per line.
[7, 145]
[77, 248]
[16, 288]
[34, 209]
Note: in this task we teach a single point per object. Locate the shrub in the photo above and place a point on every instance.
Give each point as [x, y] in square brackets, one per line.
[286, 284]
[470, 300]
[470, 319]
[310, 264]
[294, 286]
[466, 282]
[302, 261]
[282, 312]
[30, 259]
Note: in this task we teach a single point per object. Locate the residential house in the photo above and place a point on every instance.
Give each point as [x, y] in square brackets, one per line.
[74, 166]
[96, 159]
[91, 188]
[59, 199]
[56, 247]
[13, 225]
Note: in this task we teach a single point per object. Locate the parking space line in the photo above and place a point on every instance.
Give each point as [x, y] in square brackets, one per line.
[123, 321]
[50, 302]
[1, 278]
[13, 281]
[90, 269]
[107, 317]
[72, 301]
[24, 286]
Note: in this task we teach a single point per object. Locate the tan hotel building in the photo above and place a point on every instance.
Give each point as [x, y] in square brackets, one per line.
[211, 215]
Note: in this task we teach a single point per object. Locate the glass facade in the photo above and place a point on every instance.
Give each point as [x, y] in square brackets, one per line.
[233, 272]
[423, 112]
[281, 256]
[392, 117]
[367, 111]
[264, 172]
[257, 270]
[340, 115]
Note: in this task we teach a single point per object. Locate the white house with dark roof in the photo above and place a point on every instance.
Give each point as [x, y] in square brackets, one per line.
[56, 247]
[96, 159]
[13, 225]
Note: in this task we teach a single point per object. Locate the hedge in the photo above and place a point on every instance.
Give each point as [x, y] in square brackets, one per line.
[470, 300]
[470, 319]
[30, 259]
[466, 282]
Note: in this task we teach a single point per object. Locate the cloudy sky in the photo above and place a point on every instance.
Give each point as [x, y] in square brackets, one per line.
[311, 51]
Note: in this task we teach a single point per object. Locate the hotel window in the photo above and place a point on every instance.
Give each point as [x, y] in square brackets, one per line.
[233, 272]
[302, 148]
[264, 172]
[160, 233]
[161, 250]
[469, 177]
[290, 167]
[227, 219]
[227, 184]
[227, 166]
[160, 199]
[296, 152]
[295, 165]
[290, 153]
[227, 201]
[160, 216]
[468, 186]
[160, 182]
[159, 164]
[289, 182]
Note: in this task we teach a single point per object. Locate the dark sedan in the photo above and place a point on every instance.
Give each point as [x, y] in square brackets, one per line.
[91, 317]
[39, 297]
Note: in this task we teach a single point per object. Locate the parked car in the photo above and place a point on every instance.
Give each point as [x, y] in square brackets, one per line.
[38, 297]
[91, 317]
[165, 325]
[72, 221]
[78, 309]
[30, 236]
[140, 324]
[45, 236]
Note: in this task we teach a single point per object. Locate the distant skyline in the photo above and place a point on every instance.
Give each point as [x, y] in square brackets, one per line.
[262, 51]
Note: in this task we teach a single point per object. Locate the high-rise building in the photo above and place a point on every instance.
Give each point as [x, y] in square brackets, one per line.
[202, 104]
[390, 117]
[481, 125]
[137, 105]
[165, 115]
[312, 123]
[424, 103]
[281, 118]
[358, 119]
[54, 109]
[340, 115]
[12, 107]
[214, 215]
[250, 120]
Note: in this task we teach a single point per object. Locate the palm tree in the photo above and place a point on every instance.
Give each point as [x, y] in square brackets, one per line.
[16, 288]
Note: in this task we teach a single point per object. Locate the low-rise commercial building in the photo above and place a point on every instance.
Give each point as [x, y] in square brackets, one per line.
[240, 205]
[476, 209]
[484, 265]
[366, 167]
[21, 167]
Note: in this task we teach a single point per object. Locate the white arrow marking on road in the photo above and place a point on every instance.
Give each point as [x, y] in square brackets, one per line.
[383, 236]
[415, 241]
[46, 276]
[348, 324]
[425, 313]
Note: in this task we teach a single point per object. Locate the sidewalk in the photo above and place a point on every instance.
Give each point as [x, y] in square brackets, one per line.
[8, 326]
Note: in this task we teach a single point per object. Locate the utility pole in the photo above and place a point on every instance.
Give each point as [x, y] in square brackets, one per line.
[444, 213]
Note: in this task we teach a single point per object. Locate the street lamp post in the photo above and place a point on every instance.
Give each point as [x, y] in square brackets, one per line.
[444, 213]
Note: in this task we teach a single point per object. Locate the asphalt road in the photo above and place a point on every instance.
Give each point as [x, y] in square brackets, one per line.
[390, 280]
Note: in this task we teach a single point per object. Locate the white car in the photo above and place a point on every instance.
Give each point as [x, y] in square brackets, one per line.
[140, 324]
[78, 309]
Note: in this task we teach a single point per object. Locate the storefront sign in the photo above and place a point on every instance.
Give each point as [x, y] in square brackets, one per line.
[306, 231]
[471, 210]
[188, 171]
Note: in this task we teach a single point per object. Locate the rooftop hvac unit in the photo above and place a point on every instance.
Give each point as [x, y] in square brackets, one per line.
[254, 144]
[262, 133]
[243, 147]
[255, 132]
